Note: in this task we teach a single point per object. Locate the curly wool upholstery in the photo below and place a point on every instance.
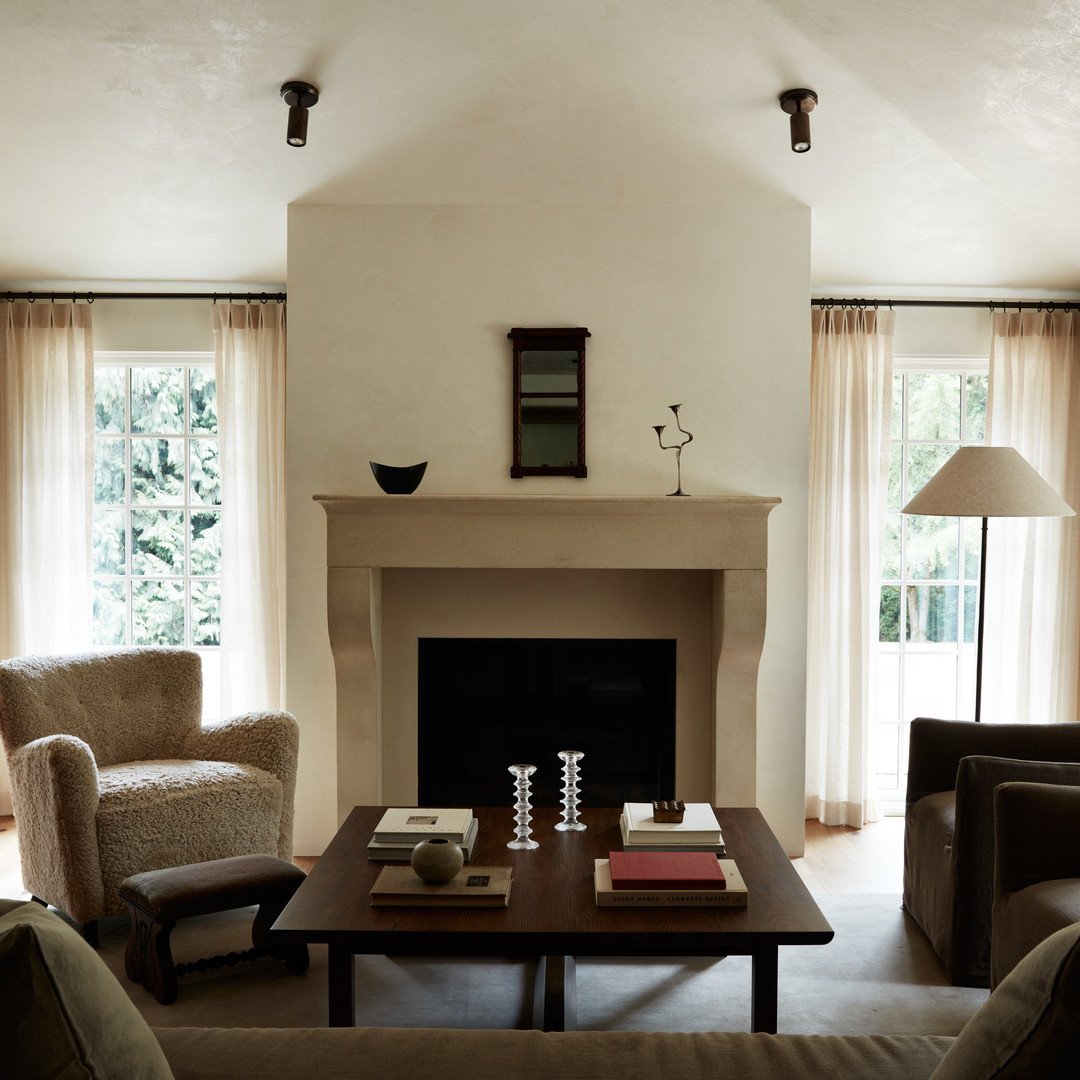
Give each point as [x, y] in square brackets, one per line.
[112, 773]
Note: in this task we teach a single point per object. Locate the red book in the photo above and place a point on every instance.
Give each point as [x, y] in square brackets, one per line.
[666, 870]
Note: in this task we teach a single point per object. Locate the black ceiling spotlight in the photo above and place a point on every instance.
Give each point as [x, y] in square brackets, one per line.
[800, 103]
[299, 96]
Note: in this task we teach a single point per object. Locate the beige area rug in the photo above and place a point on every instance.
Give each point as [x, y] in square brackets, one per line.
[878, 975]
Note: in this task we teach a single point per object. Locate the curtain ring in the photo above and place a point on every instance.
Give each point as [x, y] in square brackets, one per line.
[263, 298]
[89, 297]
[10, 298]
[30, 298]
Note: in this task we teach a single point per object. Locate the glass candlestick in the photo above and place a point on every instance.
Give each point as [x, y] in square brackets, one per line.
[570, 823]
[522, 786]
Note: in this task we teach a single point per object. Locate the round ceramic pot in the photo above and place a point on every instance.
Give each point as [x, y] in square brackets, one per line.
[436, 861]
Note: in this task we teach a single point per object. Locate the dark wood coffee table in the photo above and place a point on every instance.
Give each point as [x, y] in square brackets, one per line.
[552, 916]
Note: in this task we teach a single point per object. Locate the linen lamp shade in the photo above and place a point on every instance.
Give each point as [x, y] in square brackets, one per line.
[988, 481]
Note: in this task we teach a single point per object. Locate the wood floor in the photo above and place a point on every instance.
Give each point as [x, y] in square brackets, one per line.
[837, 859]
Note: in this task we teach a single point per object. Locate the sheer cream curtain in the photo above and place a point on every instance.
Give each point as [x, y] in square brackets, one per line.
[850, 403]
[1032, 636]
[249, 348]
[46, 481]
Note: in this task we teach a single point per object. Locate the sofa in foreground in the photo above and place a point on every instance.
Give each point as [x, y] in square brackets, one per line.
[67, 1018]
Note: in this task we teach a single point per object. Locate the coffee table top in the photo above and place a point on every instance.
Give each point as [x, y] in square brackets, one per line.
[552, 910]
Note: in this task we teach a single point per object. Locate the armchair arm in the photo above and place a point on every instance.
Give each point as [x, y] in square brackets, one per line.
[936, 747]
[973, 839]
[1036, 834]
[54, 789]
[267, 740]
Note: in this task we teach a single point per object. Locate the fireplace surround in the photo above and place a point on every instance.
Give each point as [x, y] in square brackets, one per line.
[404, 567]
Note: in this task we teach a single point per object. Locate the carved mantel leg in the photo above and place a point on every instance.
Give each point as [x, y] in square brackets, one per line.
[354, 602]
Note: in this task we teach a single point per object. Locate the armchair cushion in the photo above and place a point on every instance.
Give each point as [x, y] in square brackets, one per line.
[1027, 1028]
[66, 1016]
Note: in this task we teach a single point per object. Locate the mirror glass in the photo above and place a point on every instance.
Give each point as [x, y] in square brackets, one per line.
[549, 408]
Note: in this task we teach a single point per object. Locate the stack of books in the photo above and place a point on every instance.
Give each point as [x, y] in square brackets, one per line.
[698, 831]
[668, 879]
[401, 828]
[479, 886]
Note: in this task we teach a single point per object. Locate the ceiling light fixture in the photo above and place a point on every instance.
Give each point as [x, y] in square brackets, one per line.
[299, 96]
[799, 103]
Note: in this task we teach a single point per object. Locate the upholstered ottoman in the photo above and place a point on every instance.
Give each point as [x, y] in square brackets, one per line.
[156, 899]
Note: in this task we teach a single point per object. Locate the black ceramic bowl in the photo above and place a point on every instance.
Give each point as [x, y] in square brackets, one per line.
[398, 479]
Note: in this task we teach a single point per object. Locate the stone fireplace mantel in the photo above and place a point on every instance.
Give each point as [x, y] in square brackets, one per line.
[724, 535]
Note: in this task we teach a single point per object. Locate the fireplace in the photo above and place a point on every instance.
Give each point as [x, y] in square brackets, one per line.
[405, 568]
[487, 703]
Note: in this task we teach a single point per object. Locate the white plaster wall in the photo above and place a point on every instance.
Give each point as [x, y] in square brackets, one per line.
[943, 332]
[153, 325]
[397, 352]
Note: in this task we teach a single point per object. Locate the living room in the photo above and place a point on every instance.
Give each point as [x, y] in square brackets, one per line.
[478, 166]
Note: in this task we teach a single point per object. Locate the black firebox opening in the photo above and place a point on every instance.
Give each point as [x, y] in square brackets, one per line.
[488, 703]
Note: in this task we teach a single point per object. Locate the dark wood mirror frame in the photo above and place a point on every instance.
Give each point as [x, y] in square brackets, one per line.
[543, 414]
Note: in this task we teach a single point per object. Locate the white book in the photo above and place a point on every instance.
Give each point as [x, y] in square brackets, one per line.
[661, 842]
[698, 826]
[383, 852]
[401, 824]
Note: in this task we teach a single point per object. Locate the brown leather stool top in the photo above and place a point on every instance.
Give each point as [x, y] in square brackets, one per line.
[156, 899]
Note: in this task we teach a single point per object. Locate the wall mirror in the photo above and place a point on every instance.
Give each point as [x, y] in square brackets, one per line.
[549, 401]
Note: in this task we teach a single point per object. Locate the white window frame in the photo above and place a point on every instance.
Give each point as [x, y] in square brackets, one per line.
[894, 743]
[136, 358]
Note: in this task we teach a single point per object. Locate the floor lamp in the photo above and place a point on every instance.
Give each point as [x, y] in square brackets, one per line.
[986, 482]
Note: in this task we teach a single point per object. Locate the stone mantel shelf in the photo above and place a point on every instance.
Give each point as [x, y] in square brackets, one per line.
[548, 531]
[726, 535]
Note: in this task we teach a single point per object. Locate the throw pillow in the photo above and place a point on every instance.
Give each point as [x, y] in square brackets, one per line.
[65, 1015]
[1027, 1028]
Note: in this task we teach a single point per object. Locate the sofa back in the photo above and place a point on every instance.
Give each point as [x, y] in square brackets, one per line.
[127, 705]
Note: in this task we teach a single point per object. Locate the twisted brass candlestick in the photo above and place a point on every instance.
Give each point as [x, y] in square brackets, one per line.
[677, 447]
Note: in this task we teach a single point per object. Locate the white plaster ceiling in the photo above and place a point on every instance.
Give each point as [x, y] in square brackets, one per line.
[145, 141]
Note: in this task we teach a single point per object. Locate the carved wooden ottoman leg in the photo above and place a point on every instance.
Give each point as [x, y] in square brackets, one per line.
[148, 958]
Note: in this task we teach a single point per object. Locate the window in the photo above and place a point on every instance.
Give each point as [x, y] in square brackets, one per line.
[157, 500]
[930, 571]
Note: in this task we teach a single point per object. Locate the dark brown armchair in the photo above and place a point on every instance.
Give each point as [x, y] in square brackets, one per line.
[953, 768]
[1036, 869]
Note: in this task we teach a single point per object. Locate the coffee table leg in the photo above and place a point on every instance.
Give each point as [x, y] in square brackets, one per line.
[763, 991]
[555, 994]
[342, 986]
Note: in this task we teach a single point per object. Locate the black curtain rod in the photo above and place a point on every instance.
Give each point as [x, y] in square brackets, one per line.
[990, 305]
[90, 297]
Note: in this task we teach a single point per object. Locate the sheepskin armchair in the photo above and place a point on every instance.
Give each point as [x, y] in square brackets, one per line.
[113, 773]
